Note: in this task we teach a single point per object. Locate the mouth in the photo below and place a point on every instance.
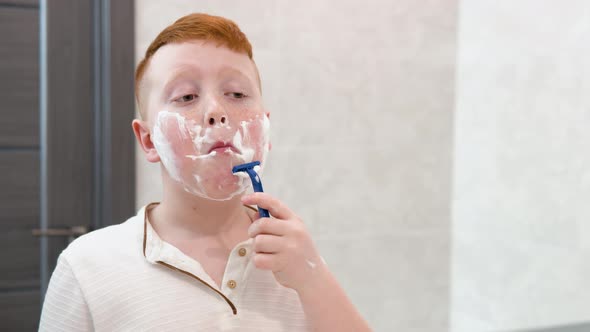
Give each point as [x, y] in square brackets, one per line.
[221, 147]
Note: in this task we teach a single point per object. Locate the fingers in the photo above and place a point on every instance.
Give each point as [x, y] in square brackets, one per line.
[276, 208]
[267, 252]
[253, 213]
[267, 226]
[268, 244]
[266, 261]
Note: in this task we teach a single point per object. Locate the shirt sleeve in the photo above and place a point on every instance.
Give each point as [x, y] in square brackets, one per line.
[64, 308]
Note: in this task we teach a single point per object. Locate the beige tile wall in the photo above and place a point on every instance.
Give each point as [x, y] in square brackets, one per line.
[521, 185]
[361, 96]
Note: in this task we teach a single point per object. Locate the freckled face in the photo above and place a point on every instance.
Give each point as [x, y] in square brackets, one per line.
[205, 108]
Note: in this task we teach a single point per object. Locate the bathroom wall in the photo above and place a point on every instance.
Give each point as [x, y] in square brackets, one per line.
[521, 176]
[361, 99]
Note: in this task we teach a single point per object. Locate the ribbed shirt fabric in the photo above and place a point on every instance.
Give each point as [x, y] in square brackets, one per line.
[125, 278]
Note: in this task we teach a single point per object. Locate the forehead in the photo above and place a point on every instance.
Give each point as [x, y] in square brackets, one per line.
[205, 57]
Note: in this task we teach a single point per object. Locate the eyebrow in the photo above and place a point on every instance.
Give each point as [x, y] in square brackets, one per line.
[189, 71]
[178, 73]
[227, 70]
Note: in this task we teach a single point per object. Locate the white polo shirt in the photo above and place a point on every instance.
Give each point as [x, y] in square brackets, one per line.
[125, 278]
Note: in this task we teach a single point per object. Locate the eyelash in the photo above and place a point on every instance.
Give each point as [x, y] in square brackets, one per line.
[243, 95]
[194, 96]
[181, 99]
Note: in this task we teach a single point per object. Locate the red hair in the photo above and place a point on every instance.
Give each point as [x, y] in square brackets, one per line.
[197, 26]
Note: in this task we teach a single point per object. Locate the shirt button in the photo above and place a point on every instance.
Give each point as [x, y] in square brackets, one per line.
[231, 284]
[242, 252]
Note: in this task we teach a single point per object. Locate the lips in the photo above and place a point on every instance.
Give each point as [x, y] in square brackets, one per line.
[222, 147]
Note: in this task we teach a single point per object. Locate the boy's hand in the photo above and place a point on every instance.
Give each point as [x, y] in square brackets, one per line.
[283, 245]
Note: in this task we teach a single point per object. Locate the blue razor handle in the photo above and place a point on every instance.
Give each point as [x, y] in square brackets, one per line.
[256, 183]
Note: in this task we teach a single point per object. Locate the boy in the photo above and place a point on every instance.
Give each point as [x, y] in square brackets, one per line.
[201, 259]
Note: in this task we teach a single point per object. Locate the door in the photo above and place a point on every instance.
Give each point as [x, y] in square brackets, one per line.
[66, 96]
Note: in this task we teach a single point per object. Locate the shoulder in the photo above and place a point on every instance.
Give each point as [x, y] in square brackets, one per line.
[114, 241]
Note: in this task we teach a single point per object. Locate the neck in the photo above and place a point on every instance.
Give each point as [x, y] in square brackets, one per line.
[192, 216]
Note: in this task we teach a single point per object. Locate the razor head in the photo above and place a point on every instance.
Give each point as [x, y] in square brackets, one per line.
[245, 167]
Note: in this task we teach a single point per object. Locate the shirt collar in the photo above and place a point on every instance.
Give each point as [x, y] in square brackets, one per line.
[157, 251]
[153, 244]
[151, 240]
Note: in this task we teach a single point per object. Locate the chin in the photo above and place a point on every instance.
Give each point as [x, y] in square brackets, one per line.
[224, 193]
[219, 187]
[224, 196]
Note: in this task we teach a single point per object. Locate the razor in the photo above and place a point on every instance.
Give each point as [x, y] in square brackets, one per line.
[256, 183]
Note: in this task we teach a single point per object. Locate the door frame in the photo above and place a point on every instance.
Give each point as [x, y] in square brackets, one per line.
[87, 148]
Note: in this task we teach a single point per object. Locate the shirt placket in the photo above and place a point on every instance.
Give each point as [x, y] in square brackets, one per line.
[159, 252]
[234, 278]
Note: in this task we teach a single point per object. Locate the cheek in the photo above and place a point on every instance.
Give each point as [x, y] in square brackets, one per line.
[180, 145]
[256, 142]
[172, 139]
[255, 136]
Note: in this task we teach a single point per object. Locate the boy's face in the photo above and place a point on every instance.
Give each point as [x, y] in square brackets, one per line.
[204, 109]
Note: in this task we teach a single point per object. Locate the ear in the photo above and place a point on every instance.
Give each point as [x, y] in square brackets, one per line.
[144, 138]
[269, 143]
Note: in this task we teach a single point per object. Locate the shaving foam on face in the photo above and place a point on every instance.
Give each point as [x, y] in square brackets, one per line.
[266, 140]
[164, 147]
[184, 147]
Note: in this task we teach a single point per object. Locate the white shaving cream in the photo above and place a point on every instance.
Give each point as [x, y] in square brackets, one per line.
[183, 145]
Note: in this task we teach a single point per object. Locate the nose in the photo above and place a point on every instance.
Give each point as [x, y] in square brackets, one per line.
[217, 119]
[216, 115]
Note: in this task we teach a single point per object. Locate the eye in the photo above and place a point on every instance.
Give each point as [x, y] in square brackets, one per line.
[186, 98]
[237, 95]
